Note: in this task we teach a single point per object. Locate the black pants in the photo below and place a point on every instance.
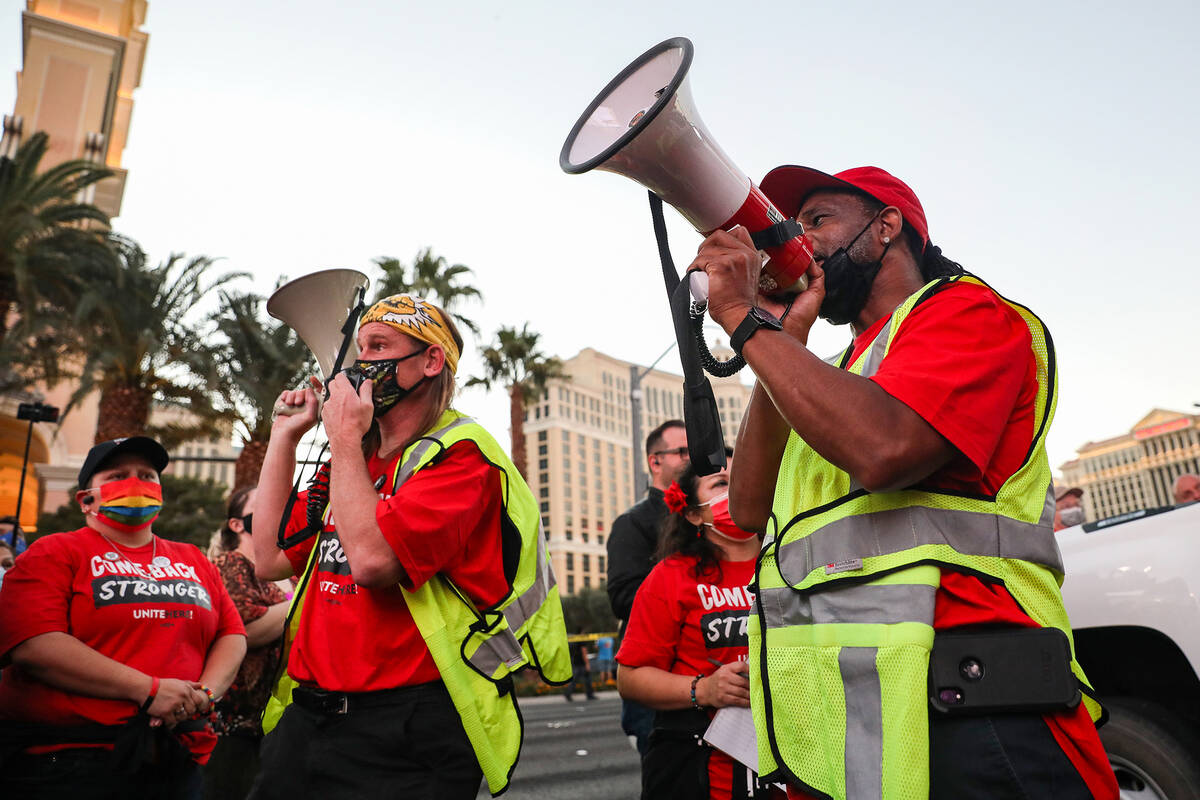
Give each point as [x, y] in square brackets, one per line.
[88, 774]
[638, 721]
[231, 768]
[581, 676]
[1002, 756]
[410, 744]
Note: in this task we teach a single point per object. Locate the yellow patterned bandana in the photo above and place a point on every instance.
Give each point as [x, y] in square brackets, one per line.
[417, 318]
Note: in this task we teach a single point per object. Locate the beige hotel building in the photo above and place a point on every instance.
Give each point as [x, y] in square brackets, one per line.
[1138, 469]
[582, 457]
[80, 64]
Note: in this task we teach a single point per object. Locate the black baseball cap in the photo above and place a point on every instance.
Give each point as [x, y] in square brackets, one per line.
[143, 446]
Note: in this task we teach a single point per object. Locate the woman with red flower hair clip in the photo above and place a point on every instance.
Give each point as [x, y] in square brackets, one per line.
[684, 651]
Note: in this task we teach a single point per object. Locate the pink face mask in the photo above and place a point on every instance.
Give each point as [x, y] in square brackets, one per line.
[723, 523]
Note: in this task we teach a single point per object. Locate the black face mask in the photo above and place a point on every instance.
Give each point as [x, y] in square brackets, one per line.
[385, 393]
[848, 283]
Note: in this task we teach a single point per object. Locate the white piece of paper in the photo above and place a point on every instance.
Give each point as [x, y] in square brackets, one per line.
[732, 732]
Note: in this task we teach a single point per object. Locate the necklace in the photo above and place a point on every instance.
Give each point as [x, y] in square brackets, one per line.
[155, 559]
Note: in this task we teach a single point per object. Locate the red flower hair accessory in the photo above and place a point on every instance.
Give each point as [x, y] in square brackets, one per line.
[675, 498]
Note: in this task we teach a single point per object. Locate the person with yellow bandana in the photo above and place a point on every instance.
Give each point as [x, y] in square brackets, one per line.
[905, 495]
[425, 581]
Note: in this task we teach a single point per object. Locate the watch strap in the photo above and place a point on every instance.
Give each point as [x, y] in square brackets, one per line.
[755, 319]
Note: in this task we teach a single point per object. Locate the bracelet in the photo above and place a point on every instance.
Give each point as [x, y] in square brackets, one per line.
[150, 697]
[695, 680]
[212, 699]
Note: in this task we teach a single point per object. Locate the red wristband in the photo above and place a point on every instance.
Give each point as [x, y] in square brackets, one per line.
[150, 697]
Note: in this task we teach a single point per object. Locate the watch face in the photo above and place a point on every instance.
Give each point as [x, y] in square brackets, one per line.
[766, 317]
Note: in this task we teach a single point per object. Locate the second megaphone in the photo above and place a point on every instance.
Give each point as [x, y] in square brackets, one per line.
[643, 125]
[323, 309]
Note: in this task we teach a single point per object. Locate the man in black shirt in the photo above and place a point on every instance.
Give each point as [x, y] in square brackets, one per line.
[633, 540]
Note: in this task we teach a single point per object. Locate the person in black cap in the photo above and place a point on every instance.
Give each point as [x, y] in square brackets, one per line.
[904, 489]
[115, 645]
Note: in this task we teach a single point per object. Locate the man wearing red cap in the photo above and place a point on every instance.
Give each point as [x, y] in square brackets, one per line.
[904, 490]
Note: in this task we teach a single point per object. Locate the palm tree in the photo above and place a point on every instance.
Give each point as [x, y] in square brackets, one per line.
[432, 278]
[255, 362]
[44, 239]
[144, 345]
[513, 359]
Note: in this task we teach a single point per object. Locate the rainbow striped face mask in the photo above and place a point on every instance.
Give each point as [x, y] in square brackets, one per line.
[129, 505]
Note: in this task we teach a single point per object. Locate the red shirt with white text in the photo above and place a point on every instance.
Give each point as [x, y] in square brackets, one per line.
[445, 519]
[160, 619]
[682, 622]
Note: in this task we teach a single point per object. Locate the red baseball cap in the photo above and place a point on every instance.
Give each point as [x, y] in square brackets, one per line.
[788, 187]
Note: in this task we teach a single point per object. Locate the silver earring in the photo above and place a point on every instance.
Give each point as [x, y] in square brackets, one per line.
[887, 240]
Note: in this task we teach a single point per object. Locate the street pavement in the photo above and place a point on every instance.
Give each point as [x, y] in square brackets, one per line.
[574, 750]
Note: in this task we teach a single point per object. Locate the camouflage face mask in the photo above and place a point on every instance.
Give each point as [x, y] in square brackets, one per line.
[385, 392]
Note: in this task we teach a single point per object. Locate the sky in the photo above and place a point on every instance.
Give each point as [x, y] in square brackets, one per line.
[1052, 146]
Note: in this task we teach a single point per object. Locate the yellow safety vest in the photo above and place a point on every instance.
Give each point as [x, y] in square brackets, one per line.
[477, 649]
[843, 625]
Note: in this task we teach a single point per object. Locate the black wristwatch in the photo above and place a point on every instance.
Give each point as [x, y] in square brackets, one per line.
[756, 318]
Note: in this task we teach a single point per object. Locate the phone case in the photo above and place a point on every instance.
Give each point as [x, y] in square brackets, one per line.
[1018, 669]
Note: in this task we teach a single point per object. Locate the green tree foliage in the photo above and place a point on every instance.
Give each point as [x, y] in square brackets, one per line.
[46, 243]
[514, 361]
[254, 361]
[145, 343]
[588, 611]
[193, 510]
[432, 278]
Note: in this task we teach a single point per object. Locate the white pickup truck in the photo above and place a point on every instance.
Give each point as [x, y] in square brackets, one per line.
[1133, 593]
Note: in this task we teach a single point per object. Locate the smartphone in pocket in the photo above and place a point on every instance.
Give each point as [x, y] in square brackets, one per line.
[983, 671]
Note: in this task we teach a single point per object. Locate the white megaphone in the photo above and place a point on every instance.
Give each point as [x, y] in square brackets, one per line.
[643, 125]
[319, 307]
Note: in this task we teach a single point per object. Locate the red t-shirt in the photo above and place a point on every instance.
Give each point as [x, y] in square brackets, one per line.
[161, 620]
[445, 519]
[963, 361]
[682, 624]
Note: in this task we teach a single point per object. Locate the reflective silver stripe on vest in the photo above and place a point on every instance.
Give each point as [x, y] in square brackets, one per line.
[422, 447]
[864, 723]
[496, 649]
[877, 351]
[898, 529]
[887, 604]
[504, 647]
[875, 355]
[834, 359]
[528, 602]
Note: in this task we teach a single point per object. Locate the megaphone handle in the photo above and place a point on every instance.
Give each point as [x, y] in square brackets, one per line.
[280, 409]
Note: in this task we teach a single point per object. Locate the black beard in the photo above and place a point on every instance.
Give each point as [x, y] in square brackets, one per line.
[847, 286]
